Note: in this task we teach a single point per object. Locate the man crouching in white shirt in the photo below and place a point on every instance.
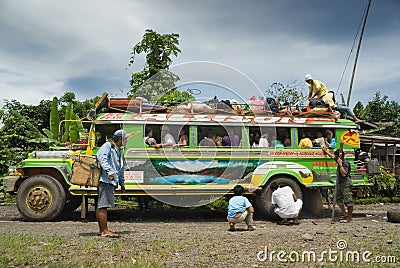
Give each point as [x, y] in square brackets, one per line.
[285, 202]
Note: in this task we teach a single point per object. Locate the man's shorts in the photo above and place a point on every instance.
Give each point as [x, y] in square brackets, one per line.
[344, 194]
[105, 197]
[328, 99]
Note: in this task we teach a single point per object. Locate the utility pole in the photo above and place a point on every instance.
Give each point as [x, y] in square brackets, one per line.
[358, 51]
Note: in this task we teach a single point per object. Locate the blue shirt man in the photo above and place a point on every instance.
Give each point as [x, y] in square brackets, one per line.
[112, 164]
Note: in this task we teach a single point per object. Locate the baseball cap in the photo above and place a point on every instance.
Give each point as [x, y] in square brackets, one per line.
[122, 134]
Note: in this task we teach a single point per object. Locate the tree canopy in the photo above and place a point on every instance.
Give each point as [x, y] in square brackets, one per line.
[290, 94]
[155, 82]
[380, 110]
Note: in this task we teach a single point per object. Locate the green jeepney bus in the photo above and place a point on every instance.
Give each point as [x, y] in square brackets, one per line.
[202, 169]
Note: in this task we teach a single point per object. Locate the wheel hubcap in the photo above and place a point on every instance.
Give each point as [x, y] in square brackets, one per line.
[39, 199]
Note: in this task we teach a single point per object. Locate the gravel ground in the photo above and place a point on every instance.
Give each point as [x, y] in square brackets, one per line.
[200, 238]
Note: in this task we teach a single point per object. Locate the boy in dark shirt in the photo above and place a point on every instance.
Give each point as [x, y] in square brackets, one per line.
[344, 194]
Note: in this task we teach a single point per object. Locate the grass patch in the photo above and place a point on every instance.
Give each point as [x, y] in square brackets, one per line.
[29, 250]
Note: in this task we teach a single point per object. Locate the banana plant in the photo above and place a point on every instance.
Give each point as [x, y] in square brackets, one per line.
[54, 119]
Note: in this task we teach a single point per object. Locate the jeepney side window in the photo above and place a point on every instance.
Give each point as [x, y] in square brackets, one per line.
[305, 137]
[318, 136]
[232, 137]
[282, 138]
[183, 136]
[210, 136]
[152, 134]
[105, 133]
[261, 137]
[156, 136]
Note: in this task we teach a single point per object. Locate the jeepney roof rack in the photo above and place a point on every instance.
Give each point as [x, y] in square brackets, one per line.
[141, 105]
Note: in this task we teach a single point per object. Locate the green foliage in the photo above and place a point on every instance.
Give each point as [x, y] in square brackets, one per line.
[155, 82]
[382, 110]
[68, 113]
[80, 108]
[73, 129]
[158, 49]
[19, 135]
[174, 97]
[218, 204]
[37, 115]
[379, 110]
[290, 94]
[359, 110]
[54, 119]
[384, 185]
[27, 127]
[155, 87]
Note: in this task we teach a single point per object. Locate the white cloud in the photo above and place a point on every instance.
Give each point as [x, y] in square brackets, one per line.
[50, 47]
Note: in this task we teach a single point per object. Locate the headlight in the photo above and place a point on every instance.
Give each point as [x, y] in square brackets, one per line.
[12, 171]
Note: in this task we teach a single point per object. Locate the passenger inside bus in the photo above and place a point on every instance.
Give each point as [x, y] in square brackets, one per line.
[258, 140]
[215, 138]
[231, 139]
[330, 141]
[148, 139]
[153, 133]
[183, 139]
[166, 137]
[211, 139]
[286, 142]
[277, 143]
[305, 142]
[319, 141]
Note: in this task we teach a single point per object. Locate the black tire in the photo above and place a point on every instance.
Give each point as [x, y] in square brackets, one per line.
[393, 215]
[40, 198]
[263, 199]
[72, 202]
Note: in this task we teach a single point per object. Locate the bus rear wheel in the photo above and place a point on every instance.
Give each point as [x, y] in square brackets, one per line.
[40, 198]
[263, 199]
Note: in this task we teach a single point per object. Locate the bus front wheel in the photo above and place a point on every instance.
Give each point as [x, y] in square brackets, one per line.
[263, 199]
[40, 198]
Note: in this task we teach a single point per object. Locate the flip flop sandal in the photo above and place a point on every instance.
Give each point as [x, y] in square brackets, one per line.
[110, 235]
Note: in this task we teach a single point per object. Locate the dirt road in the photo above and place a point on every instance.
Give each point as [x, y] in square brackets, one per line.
[200, 238]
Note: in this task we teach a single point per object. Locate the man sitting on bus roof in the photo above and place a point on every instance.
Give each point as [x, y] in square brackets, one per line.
[318, 89]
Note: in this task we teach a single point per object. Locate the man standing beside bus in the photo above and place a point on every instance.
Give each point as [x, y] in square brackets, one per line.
[344, 187]
[112, 164]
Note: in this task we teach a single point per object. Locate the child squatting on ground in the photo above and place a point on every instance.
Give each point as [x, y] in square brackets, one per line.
[240, 209]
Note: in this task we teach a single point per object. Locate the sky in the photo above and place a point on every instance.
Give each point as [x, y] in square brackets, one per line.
[50, 47]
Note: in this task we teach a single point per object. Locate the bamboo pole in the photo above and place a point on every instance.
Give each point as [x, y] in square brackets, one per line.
[358, 51]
